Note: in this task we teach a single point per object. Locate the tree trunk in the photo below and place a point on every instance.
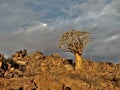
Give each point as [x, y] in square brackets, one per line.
[78, 61]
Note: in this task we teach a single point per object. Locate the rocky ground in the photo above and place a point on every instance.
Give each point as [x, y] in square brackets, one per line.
[37, 71]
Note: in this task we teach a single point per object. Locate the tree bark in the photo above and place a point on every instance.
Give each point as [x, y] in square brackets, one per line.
[78, 61]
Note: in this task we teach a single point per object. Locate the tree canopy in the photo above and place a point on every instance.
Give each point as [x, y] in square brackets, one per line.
[74, 41]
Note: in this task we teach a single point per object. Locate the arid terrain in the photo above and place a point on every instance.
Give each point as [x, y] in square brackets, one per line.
[37, 71]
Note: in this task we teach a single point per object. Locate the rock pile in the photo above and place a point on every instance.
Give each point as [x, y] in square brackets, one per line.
[37, 71]
[21, 64]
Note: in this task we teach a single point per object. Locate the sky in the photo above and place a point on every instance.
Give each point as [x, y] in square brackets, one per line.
[39, 24]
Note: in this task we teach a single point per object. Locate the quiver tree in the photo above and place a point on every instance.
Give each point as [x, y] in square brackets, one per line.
[75, 41]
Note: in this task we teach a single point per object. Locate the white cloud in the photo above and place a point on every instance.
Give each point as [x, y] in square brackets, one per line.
[36, 28]
[43, 27]
[44, 24]
[112, 38]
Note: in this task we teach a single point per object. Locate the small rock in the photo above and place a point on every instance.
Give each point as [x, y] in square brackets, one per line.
[0, 64]
[68, 67]
[67, 88]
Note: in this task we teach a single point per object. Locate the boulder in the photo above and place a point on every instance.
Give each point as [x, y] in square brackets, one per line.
[43, 83]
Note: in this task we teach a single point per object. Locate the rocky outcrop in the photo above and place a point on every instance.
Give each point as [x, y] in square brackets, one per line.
[20, 57]
[37, 71]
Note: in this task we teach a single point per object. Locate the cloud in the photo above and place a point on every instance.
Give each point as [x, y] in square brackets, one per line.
[43, 27]
[38, 24]
[112, 38]
[35, 41]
